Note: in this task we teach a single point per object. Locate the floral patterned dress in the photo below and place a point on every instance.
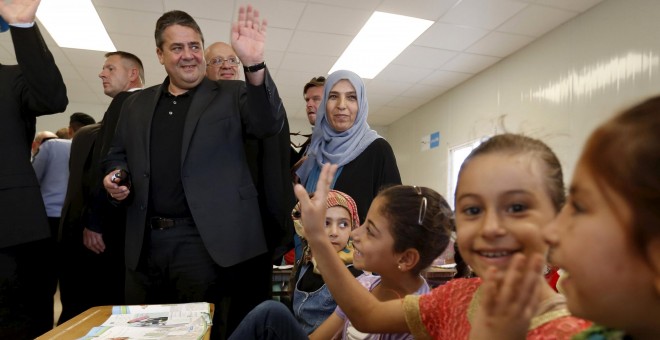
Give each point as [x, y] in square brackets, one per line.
[445, 313]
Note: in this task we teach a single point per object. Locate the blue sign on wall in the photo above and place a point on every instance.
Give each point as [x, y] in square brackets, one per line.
[435, 140]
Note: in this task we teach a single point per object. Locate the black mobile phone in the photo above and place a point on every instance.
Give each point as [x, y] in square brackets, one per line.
[120, 178]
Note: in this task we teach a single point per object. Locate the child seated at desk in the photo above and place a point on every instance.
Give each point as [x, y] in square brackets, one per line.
[311, 299]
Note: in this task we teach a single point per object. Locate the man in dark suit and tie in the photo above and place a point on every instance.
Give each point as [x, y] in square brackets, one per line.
[30, 89]
[194, 231]
[93, 229]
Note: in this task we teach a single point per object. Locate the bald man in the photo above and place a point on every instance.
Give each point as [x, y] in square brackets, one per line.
[268, 161]
[221, 62]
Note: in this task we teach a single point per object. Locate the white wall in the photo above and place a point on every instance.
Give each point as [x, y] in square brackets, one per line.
[590, 67]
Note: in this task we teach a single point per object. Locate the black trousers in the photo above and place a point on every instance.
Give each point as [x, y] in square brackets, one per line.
[88, 279]
[176, 268]
[26, 289]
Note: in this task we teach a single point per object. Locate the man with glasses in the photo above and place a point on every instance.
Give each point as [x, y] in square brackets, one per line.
[268, 161]
[221, 62]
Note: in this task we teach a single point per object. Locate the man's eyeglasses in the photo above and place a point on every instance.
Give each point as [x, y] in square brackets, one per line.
[217, 61]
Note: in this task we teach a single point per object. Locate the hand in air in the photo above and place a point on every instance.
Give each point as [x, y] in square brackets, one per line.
[313, 209]
[19, 11]
[509, 299]
[248, 36]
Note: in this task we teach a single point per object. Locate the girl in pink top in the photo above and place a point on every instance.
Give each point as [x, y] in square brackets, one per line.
[606, 238]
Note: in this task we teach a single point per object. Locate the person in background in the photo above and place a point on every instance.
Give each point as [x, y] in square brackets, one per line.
[51, 165]
[63, 133]
[222, 62]
[508, 188]
[268, 161]
[313, 95]
[30, 89]
[606, 238]
[39, 137]
[342, 136]
[92, 230]
[78, 120]
[194, 230]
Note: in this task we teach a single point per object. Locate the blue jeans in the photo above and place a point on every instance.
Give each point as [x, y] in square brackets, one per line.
[270, 320]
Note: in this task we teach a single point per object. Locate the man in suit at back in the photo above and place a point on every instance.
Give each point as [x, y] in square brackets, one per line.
[30, 89]
[268, 160]
[93, 229]
[194, 231]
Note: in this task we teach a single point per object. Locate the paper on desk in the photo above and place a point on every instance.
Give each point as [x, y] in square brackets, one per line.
[194, 330]
[175, 314]
[176, 321]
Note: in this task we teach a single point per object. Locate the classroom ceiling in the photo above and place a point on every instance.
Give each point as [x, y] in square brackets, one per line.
[305, 38]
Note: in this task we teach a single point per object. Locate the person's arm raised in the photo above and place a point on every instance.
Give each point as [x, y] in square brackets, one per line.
[248, 38]
[366, 313]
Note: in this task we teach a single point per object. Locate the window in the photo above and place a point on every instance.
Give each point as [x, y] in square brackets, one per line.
[457, 155]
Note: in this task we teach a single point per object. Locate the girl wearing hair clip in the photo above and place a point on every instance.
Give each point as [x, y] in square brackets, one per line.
[405, 230]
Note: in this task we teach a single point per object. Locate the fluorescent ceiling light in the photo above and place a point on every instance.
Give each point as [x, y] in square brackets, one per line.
[382, 39]
[75, 24]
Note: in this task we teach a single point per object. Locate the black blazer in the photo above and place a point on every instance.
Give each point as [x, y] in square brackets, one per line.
[30, 89]
[81, 181]
[216, 180]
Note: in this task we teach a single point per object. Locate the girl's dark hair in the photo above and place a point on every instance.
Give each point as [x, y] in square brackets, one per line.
[509, 143]
[171, 18]
[405, 207]
[624, 154]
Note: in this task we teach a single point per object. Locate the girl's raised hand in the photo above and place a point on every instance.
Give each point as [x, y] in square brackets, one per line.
[313, 209]
[509, 300]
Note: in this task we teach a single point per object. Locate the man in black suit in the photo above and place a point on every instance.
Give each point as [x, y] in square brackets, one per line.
[194, 231]
[30, 89]
[92, 229]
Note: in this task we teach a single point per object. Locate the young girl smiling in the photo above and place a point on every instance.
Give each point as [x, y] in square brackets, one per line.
[607, 237]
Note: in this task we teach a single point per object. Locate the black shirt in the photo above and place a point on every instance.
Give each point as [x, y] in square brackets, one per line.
[166, 195]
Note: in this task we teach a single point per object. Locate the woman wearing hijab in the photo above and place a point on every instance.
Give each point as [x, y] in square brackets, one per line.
[342, 136]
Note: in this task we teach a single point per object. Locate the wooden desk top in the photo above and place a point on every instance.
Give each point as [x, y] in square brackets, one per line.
[80, 325]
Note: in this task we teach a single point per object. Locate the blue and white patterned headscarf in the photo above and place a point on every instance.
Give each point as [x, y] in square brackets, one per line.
[330, 146]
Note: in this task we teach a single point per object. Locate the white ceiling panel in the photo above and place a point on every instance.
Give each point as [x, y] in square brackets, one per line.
[497, 44]
[470, 63]
[368, 5]
[331, 19]
[319, 43]
[450, 37]
[536, 21]
[307, 62]
[403, 73]
[572, 5]
[426, 57]
[482, 14]
[446, 78]
[424, 93]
